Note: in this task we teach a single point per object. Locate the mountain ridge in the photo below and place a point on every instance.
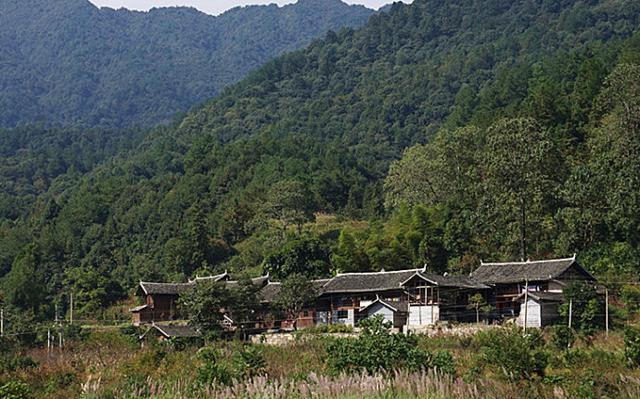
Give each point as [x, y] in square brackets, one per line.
[70, 63]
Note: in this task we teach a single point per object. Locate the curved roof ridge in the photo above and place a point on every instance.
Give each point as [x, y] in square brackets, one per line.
[530, 261]
[374, 273]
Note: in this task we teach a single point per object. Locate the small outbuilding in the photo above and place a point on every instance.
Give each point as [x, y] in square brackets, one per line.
[541, 308]
[396, 313]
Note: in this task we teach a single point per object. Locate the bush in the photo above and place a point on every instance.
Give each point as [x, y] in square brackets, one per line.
[376, 349]
[562, 337]
[515, 355]
[247, 361]
[632, 346]
[15, 390]
[630, 295]
[16, 362]
[213, 369]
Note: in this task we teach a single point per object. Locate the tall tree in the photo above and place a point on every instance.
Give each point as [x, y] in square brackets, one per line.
[204, 306]
[296, 293]
[24, 286]
[521, 167]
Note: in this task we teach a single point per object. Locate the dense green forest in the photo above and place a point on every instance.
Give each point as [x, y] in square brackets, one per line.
[440, 133]
[66, 62]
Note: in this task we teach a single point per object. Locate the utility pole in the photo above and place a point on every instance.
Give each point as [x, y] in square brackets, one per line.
[570, 311]
[48, 342]
[71, 309]
[526, 305]
[433, 322]
[2, 322]
[606, 311]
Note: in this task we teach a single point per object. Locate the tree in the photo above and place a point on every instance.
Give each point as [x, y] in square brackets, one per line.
[296, 293]
[520, 165]
[289, 203]
[478, 303]
[24, 286]
[587, 308]
[204, 305]
[307, 256]
[242, 302]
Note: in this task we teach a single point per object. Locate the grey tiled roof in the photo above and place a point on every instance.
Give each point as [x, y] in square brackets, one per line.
[269, 292]
[454, 281]
[515, 272]
[393, 280]
[367, 282]
[545, 296]
[258, 281]
[165, 288]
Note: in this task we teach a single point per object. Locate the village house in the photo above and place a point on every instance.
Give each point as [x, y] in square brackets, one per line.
[160, 299]
[543, 280]
[404, 297]
[408, 299]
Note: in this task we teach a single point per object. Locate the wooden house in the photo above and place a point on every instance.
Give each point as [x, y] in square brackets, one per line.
[544, 278]
[414, 296]
[160, 299]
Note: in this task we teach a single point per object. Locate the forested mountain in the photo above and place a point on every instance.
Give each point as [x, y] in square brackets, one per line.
[66, 62]
[521, 123]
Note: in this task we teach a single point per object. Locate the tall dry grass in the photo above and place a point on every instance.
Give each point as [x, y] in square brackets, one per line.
[402, 385]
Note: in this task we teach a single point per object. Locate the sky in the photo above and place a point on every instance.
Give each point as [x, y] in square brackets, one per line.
[214, 7]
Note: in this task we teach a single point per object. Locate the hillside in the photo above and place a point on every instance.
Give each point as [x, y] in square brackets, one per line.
[66, 62]
[236, 183]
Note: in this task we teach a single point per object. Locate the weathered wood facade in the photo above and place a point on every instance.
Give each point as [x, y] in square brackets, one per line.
[545, 280]
[406, 298]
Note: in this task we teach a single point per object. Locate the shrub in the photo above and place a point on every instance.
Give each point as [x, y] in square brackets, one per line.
[246, 361]
[249, 361]
[517, 356]
[16, 362]
[562, 337]
[630, 295]
[15, 390]
[632, 346]
[376, 349]
[213, 369]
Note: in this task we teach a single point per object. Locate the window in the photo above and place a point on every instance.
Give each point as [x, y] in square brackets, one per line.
[305, 313]
[343, 314]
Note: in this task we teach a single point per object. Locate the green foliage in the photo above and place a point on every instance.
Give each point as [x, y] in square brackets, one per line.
[376, 349]
[562, 336]
[16, 362]
[587, 309]
[296, 293]
[213, 369]
[630, 294]
[307, 256]
[216, 367]
[632, 345]
[249, 361]
[524, 133]
[15, 390]
[203, 304]
[241, 302]
[511, 354]
[478, 303]
[89, 73]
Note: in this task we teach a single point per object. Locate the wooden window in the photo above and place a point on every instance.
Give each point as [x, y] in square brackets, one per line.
[343, 314]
